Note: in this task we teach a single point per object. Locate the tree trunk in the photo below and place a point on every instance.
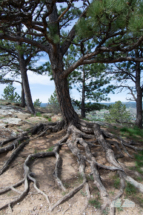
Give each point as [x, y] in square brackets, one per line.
[67, 110]
[83, 96]
[62, 89]
[23, 104]
[139, 97]
[26, 84]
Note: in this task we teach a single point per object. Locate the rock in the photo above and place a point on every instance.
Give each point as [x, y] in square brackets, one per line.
[5, 112]
[2, 125]
[11, 121]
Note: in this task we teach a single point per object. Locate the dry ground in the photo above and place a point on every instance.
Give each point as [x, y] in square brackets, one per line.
[35, 203]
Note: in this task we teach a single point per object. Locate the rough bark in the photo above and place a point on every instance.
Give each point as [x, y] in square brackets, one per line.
[139, 96]
[23, 104]
[83, 95]
[62, 89]
[26, 84]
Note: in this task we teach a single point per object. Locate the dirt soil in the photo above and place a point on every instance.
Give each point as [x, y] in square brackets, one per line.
[43, 168]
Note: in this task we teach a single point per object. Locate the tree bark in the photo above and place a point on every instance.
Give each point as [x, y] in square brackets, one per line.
[25, 83]
[62, 89]
[83, 95]
[23, 104]
[67, 110]
[139, 97]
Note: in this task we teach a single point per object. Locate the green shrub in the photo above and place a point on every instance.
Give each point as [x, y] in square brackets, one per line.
[130, 189]
[118, 113]
[132, 131]
[10, 94]
[95, 203]
[37, 103]
[139, 161]
[50, 149]
[38, 114]
[53, 104]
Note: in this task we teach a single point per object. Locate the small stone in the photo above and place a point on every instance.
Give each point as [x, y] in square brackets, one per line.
[34, 209]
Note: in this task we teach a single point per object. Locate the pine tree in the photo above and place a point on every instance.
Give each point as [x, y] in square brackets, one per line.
[10, 94]
[118, 114]
[111, 26]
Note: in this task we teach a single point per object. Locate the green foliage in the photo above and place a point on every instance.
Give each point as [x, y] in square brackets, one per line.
[37, 103]
[38, 114]
[119, 14]
[118, 113]
[89, 106]
[10, 94]
[130, 189]
[50, 149]
[139, 161]
[133, 132]
[116, 183]
[95, 203]
[53, 104]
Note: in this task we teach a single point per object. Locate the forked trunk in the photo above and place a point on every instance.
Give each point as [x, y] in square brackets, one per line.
[26, 85]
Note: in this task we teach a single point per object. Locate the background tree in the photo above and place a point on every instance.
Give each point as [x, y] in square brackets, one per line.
[129, 76]
[53, 104]
[16, 60]
[10, 94]
[90, 80]
[118, 114]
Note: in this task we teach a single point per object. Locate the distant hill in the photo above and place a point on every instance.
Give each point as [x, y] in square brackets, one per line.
[43, 104]
[128, 104]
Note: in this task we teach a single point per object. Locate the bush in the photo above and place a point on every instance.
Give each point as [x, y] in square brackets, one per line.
[118, 113]
[53, 104]
[37, 103]
[10, 94]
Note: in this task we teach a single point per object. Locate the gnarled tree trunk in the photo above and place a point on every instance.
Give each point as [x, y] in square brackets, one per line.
[62, 89]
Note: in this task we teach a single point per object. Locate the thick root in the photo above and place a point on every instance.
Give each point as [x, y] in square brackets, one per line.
[74, 137]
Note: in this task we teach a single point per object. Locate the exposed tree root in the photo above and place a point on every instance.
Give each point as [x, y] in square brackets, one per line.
[13, 156]
[74, 137]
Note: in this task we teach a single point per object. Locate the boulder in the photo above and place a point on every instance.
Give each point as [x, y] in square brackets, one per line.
[14, 121]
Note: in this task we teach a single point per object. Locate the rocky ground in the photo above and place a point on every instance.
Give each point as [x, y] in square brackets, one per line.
[15, 120]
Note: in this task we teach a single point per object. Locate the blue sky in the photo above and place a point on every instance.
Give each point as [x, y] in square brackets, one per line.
[42, 87]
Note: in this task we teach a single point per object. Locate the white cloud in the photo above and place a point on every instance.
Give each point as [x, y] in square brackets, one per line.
[39, 79]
